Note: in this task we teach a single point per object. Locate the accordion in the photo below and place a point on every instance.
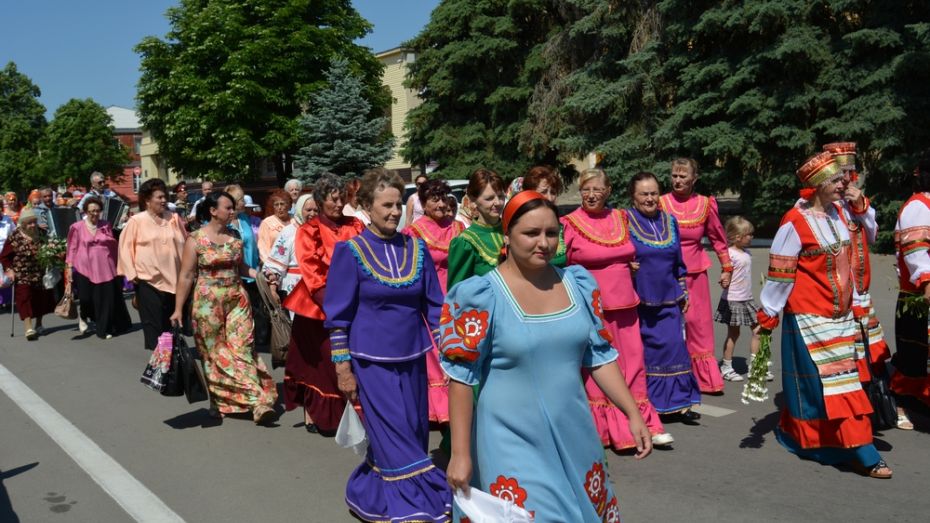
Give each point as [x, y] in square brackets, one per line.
[60, 220]
[114, 211]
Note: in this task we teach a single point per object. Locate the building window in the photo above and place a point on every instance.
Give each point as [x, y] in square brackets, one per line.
[136, 144]
[137, 182]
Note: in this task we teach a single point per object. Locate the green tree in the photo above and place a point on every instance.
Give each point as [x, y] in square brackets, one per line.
[22, 122]
[78, 141]
[337, 134]
[222, 92]
[476, 68]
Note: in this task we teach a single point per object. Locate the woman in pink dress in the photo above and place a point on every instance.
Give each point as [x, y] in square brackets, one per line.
[597, 239]
[698, 217]
[436, 229]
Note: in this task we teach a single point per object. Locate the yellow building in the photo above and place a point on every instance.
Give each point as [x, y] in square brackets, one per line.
[153, 165]
[395, 71]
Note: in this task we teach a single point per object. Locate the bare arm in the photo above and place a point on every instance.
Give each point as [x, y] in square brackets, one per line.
[611, 381]
[461, 405]
[185, 279]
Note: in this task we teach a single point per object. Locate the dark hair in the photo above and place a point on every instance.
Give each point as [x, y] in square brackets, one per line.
[211, 201]
[277, 194]
[327, 184]
[480, 179]
[452, 202]
[431, 188]
[417, 177]
[530, 205]
[539, 173]
[640, 176]
[148, 188]
[95, 200]
[922, 175]
[180, 185]
[377, 179]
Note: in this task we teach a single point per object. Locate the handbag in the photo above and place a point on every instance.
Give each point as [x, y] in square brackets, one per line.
[884, 405]
[173, 380]
[51, 277]
[481, 507]
[280, 323]
[191, 369]
[66, 307]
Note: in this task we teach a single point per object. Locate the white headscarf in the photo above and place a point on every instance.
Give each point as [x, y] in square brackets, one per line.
[299, 208]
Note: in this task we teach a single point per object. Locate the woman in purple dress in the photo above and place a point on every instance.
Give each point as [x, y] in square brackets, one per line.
[663, 300]
[383, 317]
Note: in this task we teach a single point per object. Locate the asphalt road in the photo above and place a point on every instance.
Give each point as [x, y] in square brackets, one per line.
[730, 468]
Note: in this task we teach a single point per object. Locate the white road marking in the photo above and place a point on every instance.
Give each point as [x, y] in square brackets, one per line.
[712, 411]
[139, 502]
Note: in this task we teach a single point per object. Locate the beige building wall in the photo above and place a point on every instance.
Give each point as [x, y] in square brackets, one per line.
[395, 70]
[151, 163]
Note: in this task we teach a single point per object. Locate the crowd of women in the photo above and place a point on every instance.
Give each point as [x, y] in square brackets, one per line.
[532, 341]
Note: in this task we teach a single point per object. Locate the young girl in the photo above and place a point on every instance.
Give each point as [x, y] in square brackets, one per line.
[737, 308]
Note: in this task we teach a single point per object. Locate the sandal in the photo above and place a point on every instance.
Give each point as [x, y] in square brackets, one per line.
[32, 335]
[880, 470]
[904, 423]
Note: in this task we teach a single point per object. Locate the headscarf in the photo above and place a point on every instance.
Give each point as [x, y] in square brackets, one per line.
[299, 207]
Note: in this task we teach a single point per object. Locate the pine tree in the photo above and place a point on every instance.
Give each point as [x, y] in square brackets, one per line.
[22, 123]
[337, 135]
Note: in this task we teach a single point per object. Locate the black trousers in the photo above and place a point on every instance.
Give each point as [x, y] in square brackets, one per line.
[155, 310]
[103, 303]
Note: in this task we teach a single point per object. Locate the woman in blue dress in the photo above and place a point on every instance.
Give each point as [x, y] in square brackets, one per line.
[522, 332]
[663, 301]
[382, 305]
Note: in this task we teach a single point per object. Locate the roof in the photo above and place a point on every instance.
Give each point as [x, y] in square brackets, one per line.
[124, 119]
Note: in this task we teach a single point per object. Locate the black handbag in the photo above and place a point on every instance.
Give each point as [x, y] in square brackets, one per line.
[884, 406]
[174, 380]
[186, 376]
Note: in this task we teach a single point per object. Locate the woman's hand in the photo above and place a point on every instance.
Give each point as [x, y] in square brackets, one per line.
[725, 279]
[634, 266]
[641, 437]
[175, 319]
[458, 473]
[345, 380]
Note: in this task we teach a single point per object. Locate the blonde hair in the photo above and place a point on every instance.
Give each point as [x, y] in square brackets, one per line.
[737, 227]
[590, 174]
[235, 191]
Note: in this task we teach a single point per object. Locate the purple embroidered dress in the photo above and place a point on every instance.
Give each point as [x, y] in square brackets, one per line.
[382, 308]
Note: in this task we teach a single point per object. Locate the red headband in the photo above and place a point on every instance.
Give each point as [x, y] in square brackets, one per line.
[515, 203]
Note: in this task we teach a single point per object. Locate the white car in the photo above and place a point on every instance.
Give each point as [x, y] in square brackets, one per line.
[458, 190]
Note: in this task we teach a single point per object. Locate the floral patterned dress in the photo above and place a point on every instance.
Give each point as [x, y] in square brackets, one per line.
[534, 440]
[223, 329]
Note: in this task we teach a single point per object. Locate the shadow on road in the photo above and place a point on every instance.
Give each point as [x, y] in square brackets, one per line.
[7, 514]
[756, 437]
[198, 418]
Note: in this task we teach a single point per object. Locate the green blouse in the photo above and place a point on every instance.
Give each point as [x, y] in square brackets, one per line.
[474, 252]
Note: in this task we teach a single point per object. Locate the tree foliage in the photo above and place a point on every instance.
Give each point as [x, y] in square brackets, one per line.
[22, 123]
[337, 134]
[748, 88]
[223, 91]
[78, 141]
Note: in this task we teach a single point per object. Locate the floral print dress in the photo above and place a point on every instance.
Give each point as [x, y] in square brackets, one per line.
[223, 329]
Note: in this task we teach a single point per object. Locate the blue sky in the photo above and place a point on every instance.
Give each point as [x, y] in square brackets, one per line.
[83, 48]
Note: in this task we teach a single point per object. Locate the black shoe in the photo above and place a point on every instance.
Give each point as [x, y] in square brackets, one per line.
[690, 415]
[312, 428]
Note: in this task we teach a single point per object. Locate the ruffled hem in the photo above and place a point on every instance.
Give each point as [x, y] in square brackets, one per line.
[671, 394]
[908, 386]
[613, 427]
[844, 433]
[420, 496]
[704, 366]
[847, 405]
[325, 409]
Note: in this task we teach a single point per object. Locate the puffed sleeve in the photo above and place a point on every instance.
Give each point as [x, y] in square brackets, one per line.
[72, 242]
[560, 259]
[912, 238]
[783, 267]
[432, 293]
[265, 238]
[341, 301]
[462, 259]
[126, 264]
[865, 216]
[599, 351]
[310, 254]
[466, 329]
[717, 236]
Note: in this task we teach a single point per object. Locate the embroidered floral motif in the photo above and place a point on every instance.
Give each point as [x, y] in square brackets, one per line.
[596, 486]
[612, 515]
[509, 489]
[472, 326]
[446, 316]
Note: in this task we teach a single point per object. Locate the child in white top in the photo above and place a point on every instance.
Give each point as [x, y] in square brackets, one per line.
[737, 308]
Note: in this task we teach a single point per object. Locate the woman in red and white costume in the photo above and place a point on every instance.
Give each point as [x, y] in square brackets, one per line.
[826, 412]
[698, 217]
[912, 243]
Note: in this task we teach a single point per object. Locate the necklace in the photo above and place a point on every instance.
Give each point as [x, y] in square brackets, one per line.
[836, 246]
[659, 239]
[687, 218]
[616, 232]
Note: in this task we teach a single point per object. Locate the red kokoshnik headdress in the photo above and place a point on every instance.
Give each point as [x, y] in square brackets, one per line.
[817, 169]
[845, 155]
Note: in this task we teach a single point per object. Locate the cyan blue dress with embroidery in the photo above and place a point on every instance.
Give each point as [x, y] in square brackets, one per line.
[398, 316]
[534, 441]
